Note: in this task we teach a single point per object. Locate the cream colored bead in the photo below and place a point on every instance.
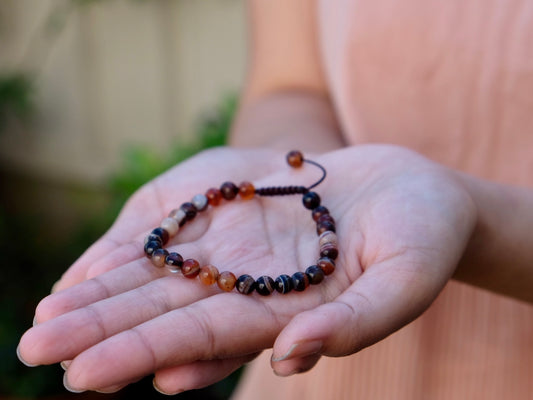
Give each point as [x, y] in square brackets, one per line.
[178, 214]
[327, 237]
[170, 225]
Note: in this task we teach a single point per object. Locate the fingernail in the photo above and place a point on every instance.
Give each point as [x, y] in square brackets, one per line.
[284, 375]
[34, 320]
[68, 387]
[22, 360]
[110, 389]
[301, 349]
[158, 389]
[55, 286]
[65, 364]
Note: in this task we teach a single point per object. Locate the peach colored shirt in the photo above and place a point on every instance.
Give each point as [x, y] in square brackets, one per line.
[454, 81]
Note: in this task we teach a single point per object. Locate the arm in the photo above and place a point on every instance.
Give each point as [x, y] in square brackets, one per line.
[285, 101]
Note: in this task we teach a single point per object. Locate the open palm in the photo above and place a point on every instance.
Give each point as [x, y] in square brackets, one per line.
[402, 222]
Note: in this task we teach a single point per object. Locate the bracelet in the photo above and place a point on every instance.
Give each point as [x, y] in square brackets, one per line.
[245, 284]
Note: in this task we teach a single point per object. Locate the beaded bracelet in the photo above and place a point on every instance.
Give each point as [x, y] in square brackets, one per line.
[245, 284]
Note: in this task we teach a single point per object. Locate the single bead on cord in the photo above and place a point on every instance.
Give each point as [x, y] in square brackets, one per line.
[163, 234]
[200, 202]
[213, 196]
[295, 158]
[190, 210]
[179, 215]
[264, 285]
[329, 250]
[150, 247]
[158, 257]
[245, 284]
[315, 274]
[229, 190]
[283, 284]
[174, 262]
[208, 274]
[246, 190]
[318, 212]
[190, 268]
[226, 281]
[300, 281]
[326, 264]
[171, 226]
[311, 200]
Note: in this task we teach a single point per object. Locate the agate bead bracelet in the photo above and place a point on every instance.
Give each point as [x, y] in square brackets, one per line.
[246, 284]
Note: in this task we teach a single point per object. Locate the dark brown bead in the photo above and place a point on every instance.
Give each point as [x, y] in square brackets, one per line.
[174, 260]
[311, 200]
[226, 281]
[153, 238]
[324, 226]
[213, 196]
[300, 281]
[318, 212]
[315, 274]
[229, 190]
[246, 190]
[295, 158]
[326, 264]
[163, 234]
[150, 247]
[264, 285]
[325, 218]
[189, 209]
[158, 257]
[208, 274]
[245, 284]
[329, 250]
[190, 268]
[283, 284]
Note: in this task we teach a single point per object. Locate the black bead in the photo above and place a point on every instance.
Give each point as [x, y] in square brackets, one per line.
[245, 284]
[154, 238]
[162, 233]
[264, 285]
[311, 200]
[324, 226]
[330, 252]
[319, 212]
[283, 284]
[229, 190]
[190, 210]
[174, 259]
[300, 281]
[150, 247]
[315, 274]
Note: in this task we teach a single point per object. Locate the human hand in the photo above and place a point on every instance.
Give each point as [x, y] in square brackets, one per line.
[402, 222]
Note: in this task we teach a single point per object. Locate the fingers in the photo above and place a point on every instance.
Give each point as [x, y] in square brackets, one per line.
[197, 375]
[383, 299]
[216, 327]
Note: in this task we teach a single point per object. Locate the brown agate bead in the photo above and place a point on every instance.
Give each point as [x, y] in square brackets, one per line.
[208, 274]
[189, 209]
[326, 264]
[311, 200]
[229, 190]
[179, 215]
[328, 237]
[213, 196]
[158, 257]
[324, 226]
[318, 212]
[174, 262]
[300, 281]
[264, 285]
[171, 226]
[151, 246]
[226, 281]
[246, 190]
[295, 158]
[329, 250]
[245, 284]
[315, 274]
[190, 268]
[163, 234]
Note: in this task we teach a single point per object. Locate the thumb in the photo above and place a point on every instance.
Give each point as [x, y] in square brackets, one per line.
[382, 300]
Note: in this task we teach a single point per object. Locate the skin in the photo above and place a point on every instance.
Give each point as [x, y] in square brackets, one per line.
[406, 226]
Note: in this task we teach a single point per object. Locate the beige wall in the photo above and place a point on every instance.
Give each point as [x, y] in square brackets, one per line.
[119, 72]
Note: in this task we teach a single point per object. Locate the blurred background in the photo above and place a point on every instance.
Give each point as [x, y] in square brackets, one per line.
[96, 98]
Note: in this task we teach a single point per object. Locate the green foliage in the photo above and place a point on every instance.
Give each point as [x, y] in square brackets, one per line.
[141, 164]
[16, 97]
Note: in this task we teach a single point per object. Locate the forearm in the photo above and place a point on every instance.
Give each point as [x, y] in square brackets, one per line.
[499, 256]
[287, 120]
